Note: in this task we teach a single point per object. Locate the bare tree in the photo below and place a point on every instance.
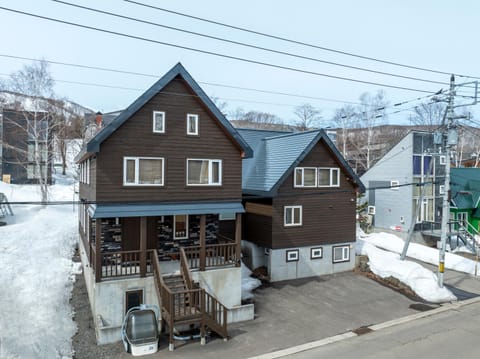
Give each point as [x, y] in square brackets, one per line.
[307, 117]
[344, 119]
[36, 82]
[428, 114]
[371, 113]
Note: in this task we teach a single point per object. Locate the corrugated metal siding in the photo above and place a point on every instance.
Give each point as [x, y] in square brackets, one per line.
[135, 138]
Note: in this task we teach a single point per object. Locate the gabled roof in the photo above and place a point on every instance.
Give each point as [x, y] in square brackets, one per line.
[276, 154]
[178, 70]
[465, 187]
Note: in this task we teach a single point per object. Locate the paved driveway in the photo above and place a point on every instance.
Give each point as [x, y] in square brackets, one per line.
[287, 314]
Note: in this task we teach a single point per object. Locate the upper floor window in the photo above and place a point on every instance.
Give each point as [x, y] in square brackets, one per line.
[305, 177]
[292, 216]
[316, 177]
[328, 177]
[422, 164]
[158, 122]
[143, 171]
[192, 124]
[204, 172]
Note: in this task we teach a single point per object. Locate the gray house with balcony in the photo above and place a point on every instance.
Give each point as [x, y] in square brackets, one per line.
[394, 184]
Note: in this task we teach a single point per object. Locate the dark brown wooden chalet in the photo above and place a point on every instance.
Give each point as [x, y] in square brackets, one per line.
[300, 199]
[157, 184]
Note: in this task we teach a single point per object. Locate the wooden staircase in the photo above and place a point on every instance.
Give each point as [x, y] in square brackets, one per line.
[184, 302]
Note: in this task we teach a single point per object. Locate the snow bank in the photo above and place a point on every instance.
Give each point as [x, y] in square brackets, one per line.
[37, 275]
[422, 281]
[248, 283]
[423, 253]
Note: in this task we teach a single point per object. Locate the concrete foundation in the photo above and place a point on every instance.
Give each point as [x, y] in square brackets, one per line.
[279, 268]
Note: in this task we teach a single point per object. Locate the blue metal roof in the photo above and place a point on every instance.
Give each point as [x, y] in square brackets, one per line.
[277, 154]
[178, 70]
[113, 210]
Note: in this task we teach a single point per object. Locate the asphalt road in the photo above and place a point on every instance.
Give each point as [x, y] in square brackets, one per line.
[449, 334]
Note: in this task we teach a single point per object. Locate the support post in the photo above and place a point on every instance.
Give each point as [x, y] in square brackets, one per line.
[238, 239]
[203, 251]
[143, 246]
[98, 250]
[446, 196]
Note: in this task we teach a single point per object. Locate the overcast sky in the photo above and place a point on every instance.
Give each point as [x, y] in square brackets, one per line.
[434, 34]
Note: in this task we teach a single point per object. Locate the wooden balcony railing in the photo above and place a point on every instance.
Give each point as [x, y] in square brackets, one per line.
[123, 263]
[216, 255]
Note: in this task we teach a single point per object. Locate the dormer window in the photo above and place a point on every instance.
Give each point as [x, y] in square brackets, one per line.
[158, 122]
[192, 124]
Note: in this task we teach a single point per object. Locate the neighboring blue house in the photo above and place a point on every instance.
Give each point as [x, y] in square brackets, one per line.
[300, 200]
[392, 190]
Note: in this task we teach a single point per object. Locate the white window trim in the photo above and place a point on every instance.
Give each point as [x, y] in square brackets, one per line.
[316, 256]
[210, 172]
[302, 169]
[292, 255]
[88, 171]
[163, 120]
[195, 117]
[345, 254]
[443, 160]
[394, 185]
[441, 189]
[332, 170]
[293, 224]
[175, 229]
[137, 173]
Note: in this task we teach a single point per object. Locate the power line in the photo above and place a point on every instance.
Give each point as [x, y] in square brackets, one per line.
[296, 41]
[288, 68]
[157, 76]
[249, 45]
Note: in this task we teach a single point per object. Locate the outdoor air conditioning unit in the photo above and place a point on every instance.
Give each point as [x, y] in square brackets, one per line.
[371, 210]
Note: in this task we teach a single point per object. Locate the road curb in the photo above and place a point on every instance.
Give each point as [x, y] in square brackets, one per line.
[376, 327]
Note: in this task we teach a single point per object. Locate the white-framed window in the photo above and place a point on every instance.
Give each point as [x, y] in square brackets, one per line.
[341, 254]
[316, 253]
[192, 124]
[441, 189]
[305, 177]
[328, 177]
[158, 122]
[292, 255]
[371, 210]
[292, 216]
[443, 160]
[394, 185]
[204, 172]
[226, 216]
[88, 172]
[180, 226]
[143, 171]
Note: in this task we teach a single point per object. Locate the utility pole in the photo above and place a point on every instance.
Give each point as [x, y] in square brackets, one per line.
[450, 142]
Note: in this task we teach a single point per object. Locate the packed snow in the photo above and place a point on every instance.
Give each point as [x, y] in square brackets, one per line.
[248, 283]
[383, 251]
[37, 274]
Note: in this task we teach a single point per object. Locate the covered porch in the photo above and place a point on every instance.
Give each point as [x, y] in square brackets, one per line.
[131, 235]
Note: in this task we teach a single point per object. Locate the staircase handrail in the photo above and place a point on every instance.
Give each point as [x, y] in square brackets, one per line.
[185, 269]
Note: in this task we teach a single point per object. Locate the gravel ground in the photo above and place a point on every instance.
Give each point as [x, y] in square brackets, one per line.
[84, 342]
